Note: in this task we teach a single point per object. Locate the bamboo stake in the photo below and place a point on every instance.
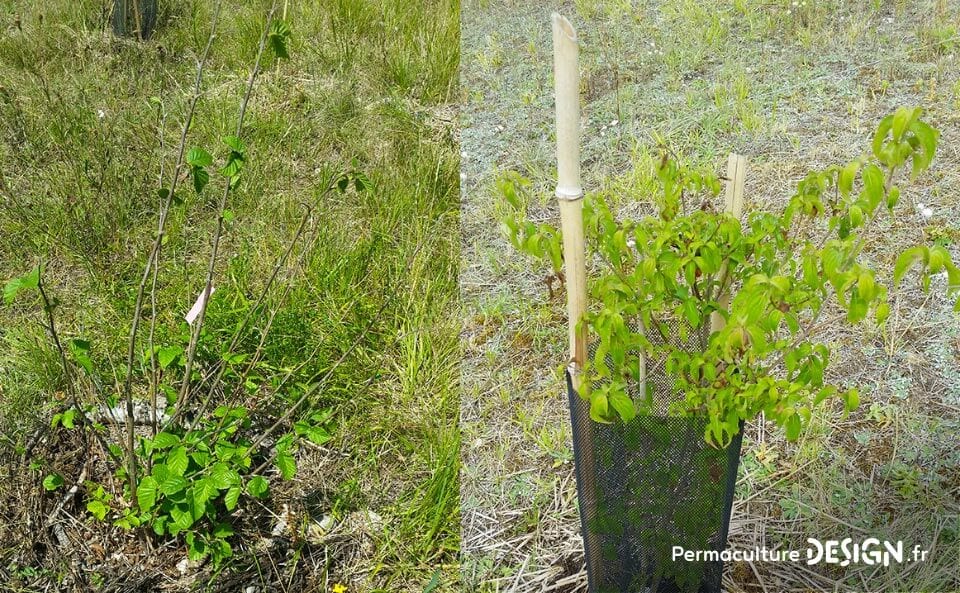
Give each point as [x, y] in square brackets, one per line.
[570, 197]
[736, 176]
[569, 192]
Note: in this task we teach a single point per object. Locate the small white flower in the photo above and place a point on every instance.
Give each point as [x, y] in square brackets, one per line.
[920, 206]
[926, 212]
[101, 114]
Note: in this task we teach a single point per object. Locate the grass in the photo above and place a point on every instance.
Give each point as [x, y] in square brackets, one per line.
[89, 125]
[793, 88]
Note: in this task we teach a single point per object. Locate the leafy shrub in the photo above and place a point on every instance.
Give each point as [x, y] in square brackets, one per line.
[679, 266]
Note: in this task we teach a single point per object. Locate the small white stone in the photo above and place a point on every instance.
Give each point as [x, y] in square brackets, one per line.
[927, 212]
[182, 566]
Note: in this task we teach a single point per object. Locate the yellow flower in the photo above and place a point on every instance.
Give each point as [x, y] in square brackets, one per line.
[338, 588]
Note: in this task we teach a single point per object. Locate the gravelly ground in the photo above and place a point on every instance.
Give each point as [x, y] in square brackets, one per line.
[793, 88]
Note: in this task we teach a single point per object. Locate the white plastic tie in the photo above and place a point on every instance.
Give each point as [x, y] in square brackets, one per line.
[569, 193]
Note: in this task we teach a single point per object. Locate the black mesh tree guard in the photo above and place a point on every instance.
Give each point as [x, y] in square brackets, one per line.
[135, 18]
[645, 487]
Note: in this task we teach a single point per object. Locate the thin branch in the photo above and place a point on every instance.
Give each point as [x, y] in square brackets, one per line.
[51, 327]
[218, 233]
[152, 259]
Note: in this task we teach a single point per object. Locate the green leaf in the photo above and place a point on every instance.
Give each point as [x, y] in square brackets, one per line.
[599, 409]
[28, 281]
[882, 313]
[68, 418]
[147, 493]
[198, 157]
[232, 168]
[623, 406]
[173, 485]
[880, 137]
[80, 349]
[177, 461]
[258, 486]
[165, 440]
[196, 548]
[873, 185]
[231, 498]
[902, 118]
[167, 354]
[223, 530]
[279, 35]
[235, 144]
[200, 178]
[52, 482]
[851, 400]
[97, 509]
[927, 136]
[223, 477]
[792, 426]
[906, 260]
[182, 517]
[286, 464]
[846, 178]
[203, 490]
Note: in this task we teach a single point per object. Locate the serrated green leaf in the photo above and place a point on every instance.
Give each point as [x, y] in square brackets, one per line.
[198, 157]
[182, 517]
[223, 477]
[258, 486]
[235, 144]
[165, 440]
[231, 498]
[173, 485]
[200, 178]
[287, 465]
[278, 37]
[203, 490]
[147, 493]
[177, 461]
